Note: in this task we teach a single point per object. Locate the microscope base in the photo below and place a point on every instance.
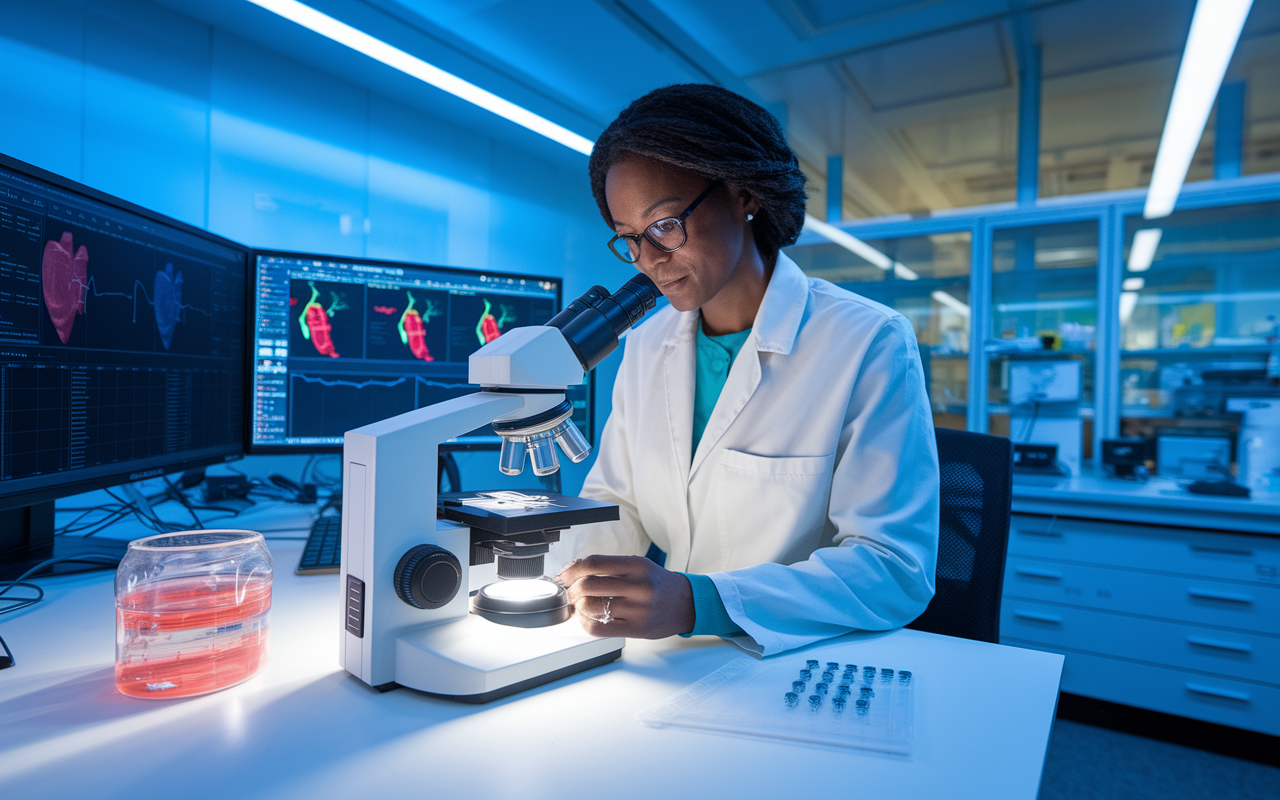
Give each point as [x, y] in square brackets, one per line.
[472, 660]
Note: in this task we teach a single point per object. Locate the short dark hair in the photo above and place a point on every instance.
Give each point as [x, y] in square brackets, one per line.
[717, 134]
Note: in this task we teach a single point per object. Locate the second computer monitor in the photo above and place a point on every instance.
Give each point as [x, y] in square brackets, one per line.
[1044, 382]
[342, 342]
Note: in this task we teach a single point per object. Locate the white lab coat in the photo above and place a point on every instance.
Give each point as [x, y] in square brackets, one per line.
[812, 501]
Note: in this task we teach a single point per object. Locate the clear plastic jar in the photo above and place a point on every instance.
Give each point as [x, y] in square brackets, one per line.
[193, 612]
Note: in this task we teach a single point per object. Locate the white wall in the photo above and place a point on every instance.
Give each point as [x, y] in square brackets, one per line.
[139, 101]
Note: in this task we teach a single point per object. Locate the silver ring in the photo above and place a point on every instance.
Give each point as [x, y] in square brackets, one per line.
[606, 616]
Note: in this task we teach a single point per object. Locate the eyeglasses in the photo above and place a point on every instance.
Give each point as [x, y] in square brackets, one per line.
[668, 235]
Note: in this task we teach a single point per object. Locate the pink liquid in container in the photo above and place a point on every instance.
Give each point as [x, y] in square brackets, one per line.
[193, 613]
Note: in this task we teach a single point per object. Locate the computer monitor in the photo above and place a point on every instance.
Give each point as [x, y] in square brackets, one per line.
[122, 349]
[1044, 382]
[343, 342]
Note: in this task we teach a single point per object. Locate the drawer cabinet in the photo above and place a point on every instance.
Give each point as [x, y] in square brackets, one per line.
[1226, 556]
[1214, 651]
[1240, 704]
[1181, 621]
[1203, 601]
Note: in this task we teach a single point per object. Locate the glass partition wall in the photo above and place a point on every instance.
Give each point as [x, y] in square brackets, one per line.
[1199, 324]
[926, 279]
[1076, 320]
[1044, 318]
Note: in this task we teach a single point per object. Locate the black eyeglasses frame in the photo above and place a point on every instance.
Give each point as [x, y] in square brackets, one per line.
[679, 220]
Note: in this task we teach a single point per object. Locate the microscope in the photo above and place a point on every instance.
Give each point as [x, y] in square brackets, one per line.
[408, 616]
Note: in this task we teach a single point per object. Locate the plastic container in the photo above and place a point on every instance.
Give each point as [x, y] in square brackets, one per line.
[193, 612]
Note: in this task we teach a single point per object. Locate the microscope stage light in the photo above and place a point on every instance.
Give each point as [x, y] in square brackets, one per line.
[522, 603]
[521, 591]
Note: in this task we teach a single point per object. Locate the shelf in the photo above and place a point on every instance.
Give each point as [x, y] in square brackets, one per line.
[1262, 349]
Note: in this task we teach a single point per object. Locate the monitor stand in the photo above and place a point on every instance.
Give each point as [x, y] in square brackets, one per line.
[26, 539]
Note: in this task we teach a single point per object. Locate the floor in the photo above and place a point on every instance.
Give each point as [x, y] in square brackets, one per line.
[1089, 763]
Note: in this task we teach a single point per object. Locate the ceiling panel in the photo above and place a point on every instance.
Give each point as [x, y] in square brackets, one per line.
[581, 49]
[1093, 34]
[962, 61]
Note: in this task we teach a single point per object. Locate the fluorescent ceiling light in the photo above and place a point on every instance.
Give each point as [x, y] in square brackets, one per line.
[848, 241]
[1133, 284]
[951, 302]
[1215, 28]
[398, 59]
[868, 253]
[1143, 250]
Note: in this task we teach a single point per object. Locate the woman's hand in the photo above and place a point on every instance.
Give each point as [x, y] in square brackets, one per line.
[628, 596]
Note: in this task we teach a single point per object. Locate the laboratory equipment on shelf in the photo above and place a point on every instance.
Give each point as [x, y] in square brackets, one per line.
[1258, 449]
[1125, 457]
[193, 612]
[405, 618]
[1044, 402]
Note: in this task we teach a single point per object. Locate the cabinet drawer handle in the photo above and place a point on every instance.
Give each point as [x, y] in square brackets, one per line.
[1032, 615]
[1222, 551]
[1038, 532]
[1213, 691]
[1047, 574]
[1226, 597]
[1219, 645]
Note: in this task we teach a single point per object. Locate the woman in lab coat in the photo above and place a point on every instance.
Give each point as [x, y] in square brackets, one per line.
[809, 505]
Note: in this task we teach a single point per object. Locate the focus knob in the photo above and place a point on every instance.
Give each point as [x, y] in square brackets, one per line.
[428, 577]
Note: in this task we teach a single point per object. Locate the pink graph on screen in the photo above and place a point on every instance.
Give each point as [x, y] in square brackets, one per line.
[64, 278]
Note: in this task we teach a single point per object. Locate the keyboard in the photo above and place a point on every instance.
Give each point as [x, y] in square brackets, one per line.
[323, 553]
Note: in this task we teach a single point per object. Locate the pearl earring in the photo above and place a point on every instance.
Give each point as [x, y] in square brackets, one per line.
[750, 217]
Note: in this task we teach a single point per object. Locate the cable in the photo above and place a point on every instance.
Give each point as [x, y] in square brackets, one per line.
[1031, 425]
[19, 603]
[182, 498]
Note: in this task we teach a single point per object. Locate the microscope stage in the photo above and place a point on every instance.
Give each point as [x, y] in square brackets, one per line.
[563, 512]
[473, 660]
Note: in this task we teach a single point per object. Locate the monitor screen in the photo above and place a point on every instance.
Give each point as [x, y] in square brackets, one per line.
[1044, 382]
[122, 340]
[341, 342]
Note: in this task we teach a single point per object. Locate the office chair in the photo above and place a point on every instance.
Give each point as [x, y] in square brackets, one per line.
[973, 533]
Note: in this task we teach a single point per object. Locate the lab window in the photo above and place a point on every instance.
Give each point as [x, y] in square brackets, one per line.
[926, 279]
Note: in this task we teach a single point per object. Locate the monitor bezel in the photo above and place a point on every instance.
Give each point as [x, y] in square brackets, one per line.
[29, 497]
[251, 319]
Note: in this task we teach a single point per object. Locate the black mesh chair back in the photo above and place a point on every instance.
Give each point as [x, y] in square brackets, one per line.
[976, 494]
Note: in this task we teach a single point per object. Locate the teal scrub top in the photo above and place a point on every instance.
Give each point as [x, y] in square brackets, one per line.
[714, 358]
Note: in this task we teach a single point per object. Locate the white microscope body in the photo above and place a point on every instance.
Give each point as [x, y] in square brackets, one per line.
[389, 508]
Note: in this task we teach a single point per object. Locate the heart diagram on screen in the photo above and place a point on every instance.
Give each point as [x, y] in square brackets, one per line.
[413, 327]
[64, 277]
[168, 302]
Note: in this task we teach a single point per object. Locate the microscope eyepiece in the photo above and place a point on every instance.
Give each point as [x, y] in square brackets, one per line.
[600, 318]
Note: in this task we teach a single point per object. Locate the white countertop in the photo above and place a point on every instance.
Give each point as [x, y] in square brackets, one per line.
[304, 728]
[1156, 501]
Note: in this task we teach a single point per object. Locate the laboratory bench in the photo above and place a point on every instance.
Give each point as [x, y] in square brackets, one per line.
[305, 728]
[1159, 599]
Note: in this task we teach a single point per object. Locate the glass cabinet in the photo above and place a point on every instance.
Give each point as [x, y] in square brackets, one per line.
[1089, 322]
[1040, 350]
[1199, 324]
[926, 279]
